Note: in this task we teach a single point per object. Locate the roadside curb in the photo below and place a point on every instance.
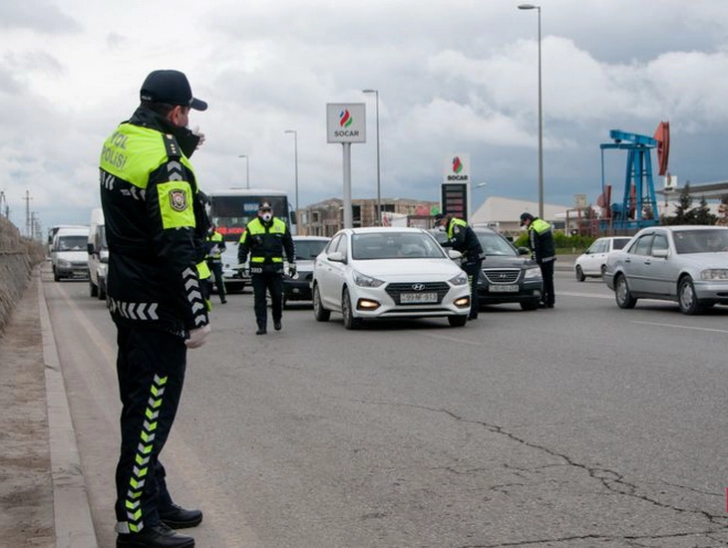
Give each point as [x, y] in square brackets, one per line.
[72, 511]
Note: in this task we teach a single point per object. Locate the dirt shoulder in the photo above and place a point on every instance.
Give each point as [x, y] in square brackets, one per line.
[26, 493]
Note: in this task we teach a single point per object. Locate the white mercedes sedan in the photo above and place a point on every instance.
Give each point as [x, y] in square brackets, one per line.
[386, 273]
[685, 264]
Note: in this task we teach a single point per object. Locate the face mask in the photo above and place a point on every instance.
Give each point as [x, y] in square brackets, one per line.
[267, 217]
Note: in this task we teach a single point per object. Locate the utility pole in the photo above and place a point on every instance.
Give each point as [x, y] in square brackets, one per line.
[27, 212]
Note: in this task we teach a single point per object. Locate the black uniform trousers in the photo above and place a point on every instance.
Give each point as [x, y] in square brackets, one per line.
[216, 270]
[273, 283]
[151, 369]
[472, 269]
[547, 273]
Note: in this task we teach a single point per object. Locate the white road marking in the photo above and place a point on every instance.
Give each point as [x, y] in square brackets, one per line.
[683, 327]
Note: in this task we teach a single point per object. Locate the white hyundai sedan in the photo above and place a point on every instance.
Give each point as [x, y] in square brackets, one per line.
[386, 273]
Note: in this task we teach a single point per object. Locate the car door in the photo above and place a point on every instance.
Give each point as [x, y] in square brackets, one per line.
[329, 273]
[637, 262]
[596, 256]
[322, 268]
[660, 279]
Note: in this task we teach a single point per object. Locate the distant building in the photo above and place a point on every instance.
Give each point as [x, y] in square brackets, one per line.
[327, 218]
[504, 214]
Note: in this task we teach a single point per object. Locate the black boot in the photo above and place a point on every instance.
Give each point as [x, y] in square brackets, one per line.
[177, 517]
[155, 536]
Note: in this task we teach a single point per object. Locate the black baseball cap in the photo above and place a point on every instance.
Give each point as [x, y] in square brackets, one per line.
[171, 87]
[526, 216]
[439, 217]
[264, 205]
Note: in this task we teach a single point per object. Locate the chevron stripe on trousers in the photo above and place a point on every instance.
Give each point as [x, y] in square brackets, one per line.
[150, 368]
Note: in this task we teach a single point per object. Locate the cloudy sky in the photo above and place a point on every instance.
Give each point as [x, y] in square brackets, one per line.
[458, 76]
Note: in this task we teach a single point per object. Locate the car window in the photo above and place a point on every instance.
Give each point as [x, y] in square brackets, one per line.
[333, 243]
[600, 246]
[660, 242]
[701, 241]
[496, 245]
[394, 245]
[309, 249]
[619, 243]
[642, 245]
[72, 243]
[343, 245]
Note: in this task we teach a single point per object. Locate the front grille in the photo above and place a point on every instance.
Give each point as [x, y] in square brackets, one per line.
[502, 275]
[394, 290]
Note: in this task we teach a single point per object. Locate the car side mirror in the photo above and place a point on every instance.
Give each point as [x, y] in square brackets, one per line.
[454, 255]
[336, 257]
[661, 253]
[90, 248]
[524, 251]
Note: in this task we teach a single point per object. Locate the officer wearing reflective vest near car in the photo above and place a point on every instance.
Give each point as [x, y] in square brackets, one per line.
[462, 238]
[155, 227]
[541, 242]
[266, 238]
[215, 246]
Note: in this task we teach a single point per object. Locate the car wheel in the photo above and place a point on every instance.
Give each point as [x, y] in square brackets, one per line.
[687, 299]
[102, 291]
[622, 294]
[350, 322]
[319, 312]
[579, 274]
[457, 321]
[56, 277]
[93, 289]
[530, 305]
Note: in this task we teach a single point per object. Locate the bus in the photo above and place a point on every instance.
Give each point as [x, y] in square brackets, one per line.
[231, 210]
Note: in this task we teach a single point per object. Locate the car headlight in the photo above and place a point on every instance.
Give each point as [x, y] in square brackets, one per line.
[532, 273]
[460, 279]
[714, 274]
[64, 263]
[365, 281]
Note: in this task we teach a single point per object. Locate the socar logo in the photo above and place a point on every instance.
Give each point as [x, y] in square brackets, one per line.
[345, 119]
[457, 165]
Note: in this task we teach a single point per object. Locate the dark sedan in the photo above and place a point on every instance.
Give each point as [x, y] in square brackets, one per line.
[509, 274]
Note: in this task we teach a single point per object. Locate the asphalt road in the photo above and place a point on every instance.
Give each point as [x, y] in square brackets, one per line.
[581, 426]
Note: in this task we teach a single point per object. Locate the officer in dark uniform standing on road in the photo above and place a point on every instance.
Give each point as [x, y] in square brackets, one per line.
[216, 245]
[156, 228]
[543, 251]
[266, 239]
[462, 238]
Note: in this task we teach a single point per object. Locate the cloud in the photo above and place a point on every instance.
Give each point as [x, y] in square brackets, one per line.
[36, 15]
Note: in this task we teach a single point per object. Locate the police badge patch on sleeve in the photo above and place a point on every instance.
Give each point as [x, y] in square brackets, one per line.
[178, 199]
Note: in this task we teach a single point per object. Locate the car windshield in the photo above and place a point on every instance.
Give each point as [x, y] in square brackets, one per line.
[72, 243]
[309, 249]
[701, 241]
[495, 245]
[395, 245]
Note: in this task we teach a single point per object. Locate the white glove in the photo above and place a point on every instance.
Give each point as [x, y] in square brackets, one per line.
[292, 269]
[198, 336]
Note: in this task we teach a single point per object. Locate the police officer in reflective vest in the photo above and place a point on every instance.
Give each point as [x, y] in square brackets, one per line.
[541, 242]
[155, 227]
[462, 238]
[266, 239]
[215, 247]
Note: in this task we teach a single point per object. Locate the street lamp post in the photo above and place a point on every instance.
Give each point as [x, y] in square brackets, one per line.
[379, 172]
[247, 169]
[295, 161]
[540, 111]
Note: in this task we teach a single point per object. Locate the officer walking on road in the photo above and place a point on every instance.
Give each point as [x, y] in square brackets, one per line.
[266, 239]
[156, 228]
[541, 242]
[462, 238]
[216, 246]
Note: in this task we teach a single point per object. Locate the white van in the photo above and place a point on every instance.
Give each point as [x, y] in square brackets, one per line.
[98, 255]
[69, 255]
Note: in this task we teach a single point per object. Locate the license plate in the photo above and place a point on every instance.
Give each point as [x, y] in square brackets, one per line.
[418, 298]
[503, 288]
